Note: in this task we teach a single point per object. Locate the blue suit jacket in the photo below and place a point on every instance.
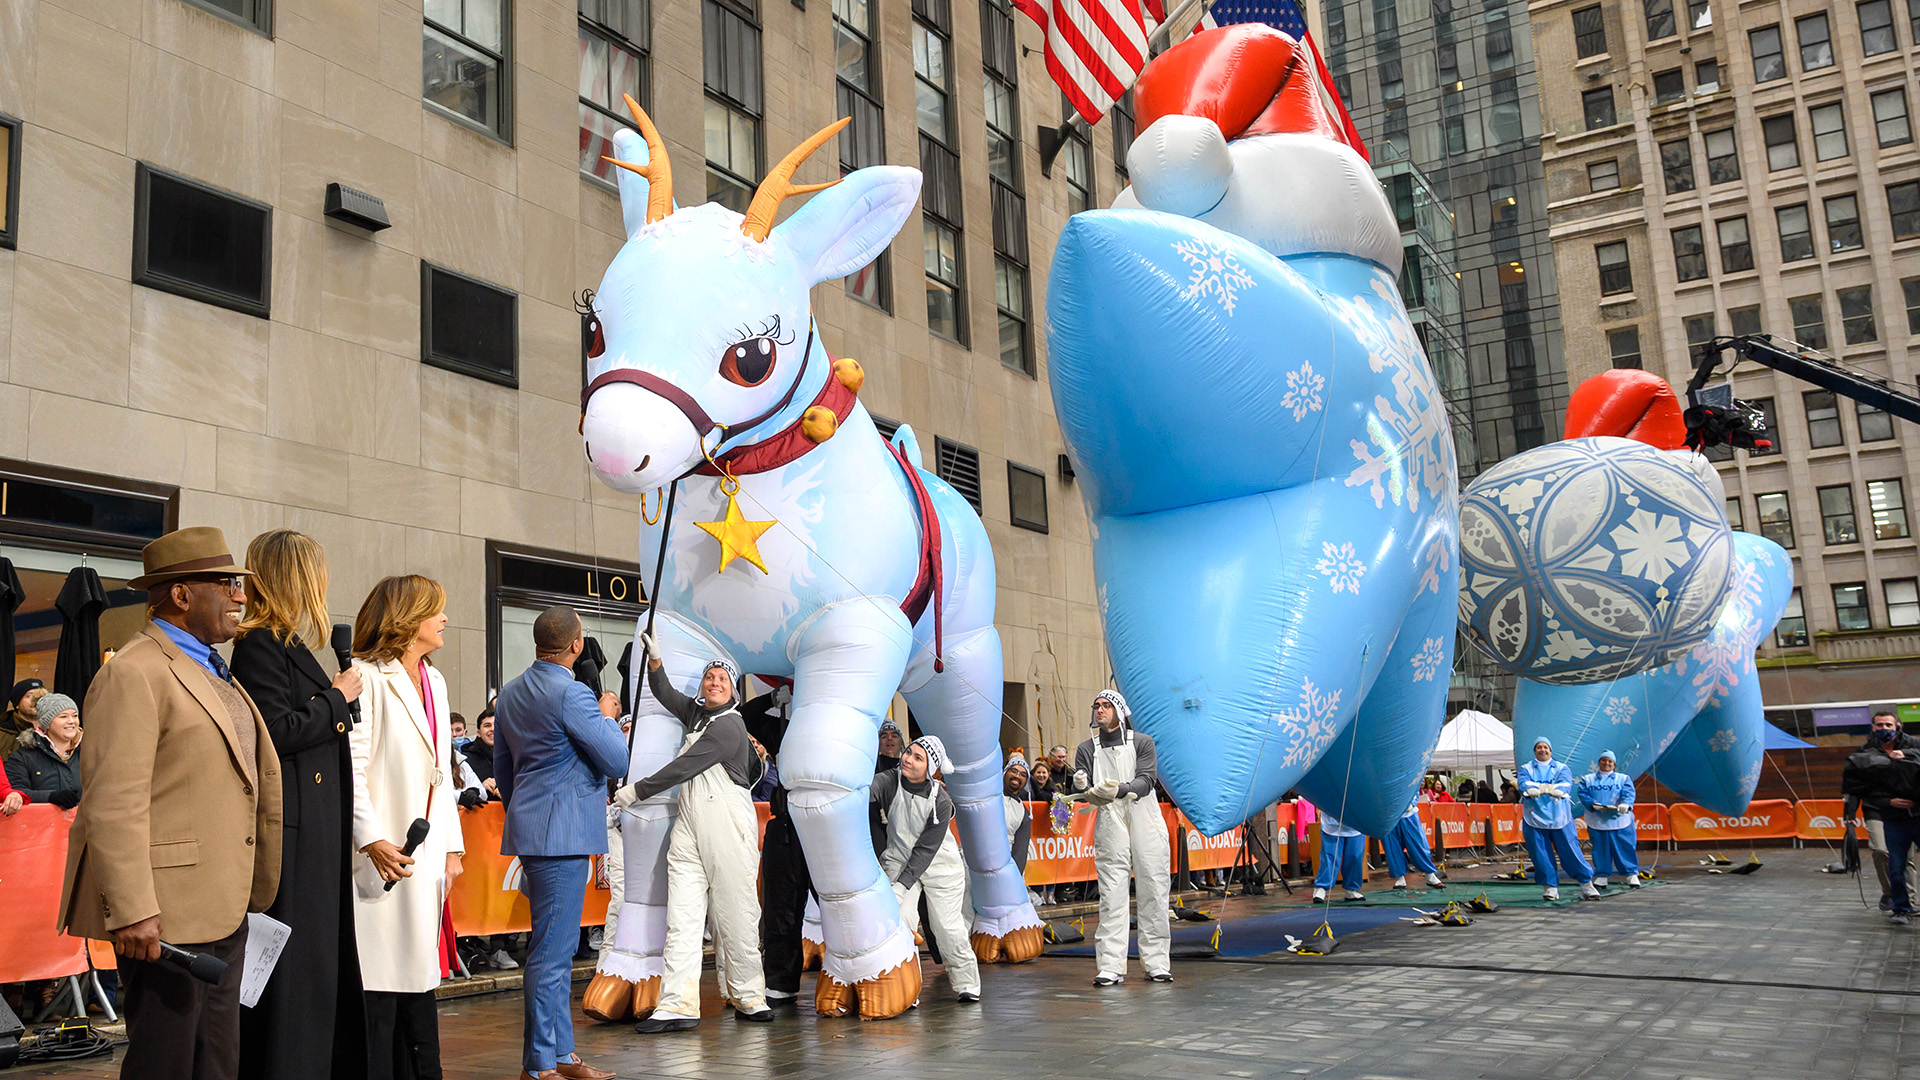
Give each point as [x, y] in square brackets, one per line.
[552, 755]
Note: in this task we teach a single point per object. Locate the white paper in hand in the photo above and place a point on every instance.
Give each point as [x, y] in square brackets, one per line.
[265, 938]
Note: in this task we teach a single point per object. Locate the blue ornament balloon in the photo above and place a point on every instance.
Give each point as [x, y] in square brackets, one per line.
[1591, 559]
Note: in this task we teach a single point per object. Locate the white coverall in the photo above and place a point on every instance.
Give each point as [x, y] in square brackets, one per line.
[1130, 839]
[944, 880]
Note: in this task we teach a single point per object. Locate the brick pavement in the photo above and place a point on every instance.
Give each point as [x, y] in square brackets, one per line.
[1775, 976]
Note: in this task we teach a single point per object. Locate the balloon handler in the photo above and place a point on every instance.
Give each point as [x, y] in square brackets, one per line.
[713, 856]
[1406, 844]
[1342, 854]
[1546, 814]
[1607, 793]
[921, 855]
[1115, 772]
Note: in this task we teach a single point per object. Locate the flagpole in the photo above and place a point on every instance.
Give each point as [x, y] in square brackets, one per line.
[1189, 13]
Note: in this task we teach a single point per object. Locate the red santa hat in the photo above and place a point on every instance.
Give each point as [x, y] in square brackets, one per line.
[1249, 79]
[1630, 404]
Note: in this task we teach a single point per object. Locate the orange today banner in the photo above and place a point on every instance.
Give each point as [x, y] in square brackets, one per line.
[1203, 852]
[1058, 856]
[1823, 819]
[486, 899]
[33, 863]
[1767, 819]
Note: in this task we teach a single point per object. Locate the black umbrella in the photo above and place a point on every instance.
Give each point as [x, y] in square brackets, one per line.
[80, 603]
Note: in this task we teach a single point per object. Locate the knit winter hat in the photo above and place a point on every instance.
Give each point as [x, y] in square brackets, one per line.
[50, 706]
[936, 753]
[1017, 760]
[1113, 698]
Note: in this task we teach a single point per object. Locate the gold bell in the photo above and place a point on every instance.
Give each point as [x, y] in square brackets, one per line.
[819, 423]
[850, 373]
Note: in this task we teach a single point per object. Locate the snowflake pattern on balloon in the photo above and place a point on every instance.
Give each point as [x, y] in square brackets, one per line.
[1722, 741]
[1650, 545]
[1341, 566]
[1212, 270]
[1304, 386]
[1426, 662]
[1621, 710]
[1410, 449]
[1309, 726]
[1720, 662]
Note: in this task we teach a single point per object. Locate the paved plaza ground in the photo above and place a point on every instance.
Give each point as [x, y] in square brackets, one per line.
[1781, 974]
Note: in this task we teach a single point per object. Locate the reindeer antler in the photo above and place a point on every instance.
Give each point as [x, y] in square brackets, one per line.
[778, 184]
[658, 170]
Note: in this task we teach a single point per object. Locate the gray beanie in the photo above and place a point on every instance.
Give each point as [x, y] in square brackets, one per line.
[50, 706]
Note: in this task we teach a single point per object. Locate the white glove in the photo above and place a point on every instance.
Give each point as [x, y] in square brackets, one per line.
[1104, 792]
[900, 895]
[627, 796]
[614, 814]
[648, 646]
[1080, 781]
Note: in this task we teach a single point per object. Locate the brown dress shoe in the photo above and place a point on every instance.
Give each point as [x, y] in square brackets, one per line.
[580, 1070]
[544, 1074]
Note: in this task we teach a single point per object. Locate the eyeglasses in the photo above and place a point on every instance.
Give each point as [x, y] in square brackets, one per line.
[229, 583]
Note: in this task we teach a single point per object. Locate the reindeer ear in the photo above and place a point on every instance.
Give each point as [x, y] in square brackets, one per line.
[848, 225]
[629, 146]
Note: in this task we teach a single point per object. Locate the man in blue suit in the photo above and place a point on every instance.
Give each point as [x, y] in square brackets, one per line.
[553, 750]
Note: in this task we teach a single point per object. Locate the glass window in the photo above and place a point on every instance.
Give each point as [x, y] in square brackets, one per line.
[1003, 146]
[1123, 133]
[946, 311]
[1768, 61]
[1624, 346]
[1769, 426]
[1723, 162]
[1836, 513]
[1736, 253]
[255, 13]
[1734, 517]
[1689, 253]
[863, 142]
[1843, 223]
[1903, 203]
[1809, 322]
[1027, 497]
[612, 66]
[1589, 33]
[200, 242]
[1743, 320]
[1850, 606]
[469, 326]
[1910, 290]
[1876, 425]
[1699, 14]
[1816, 45]
[463, 57]
[1603, 175]
[10, 180]
[1876, 27]
[1903, 601]
[1699, 330]
[1890, 118]
[1913, 19]
[1823, 422]
[1660, 19]
[1010, 298]
[1829, 131]
[931, 84]
[1783, 150]
[1599, 107]
[1615, 275]
[1676, 165]
[1791, 630]
[1856, 315]
[1888, 500]
[1706, 76]
[732, 75]
[1669, 86]
[1796, 233]
[1776, 518]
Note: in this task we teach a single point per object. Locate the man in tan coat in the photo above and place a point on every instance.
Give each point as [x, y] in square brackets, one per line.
[178, 835]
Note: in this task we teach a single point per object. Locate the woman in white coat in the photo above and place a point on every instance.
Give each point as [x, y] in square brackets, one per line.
[922, 855]
[403, 771]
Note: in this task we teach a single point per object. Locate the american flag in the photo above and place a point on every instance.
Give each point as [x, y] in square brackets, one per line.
[1286, 17]
[1095, 48]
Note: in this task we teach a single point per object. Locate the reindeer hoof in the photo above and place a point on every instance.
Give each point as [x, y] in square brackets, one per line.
[646, 995]
[812, 954]
[891, 992]
[831, 997]
[986, 948]
[918, 941]
[608, 998]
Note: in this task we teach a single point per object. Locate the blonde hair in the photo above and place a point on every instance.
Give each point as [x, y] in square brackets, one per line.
[287, 596]
[390, 618]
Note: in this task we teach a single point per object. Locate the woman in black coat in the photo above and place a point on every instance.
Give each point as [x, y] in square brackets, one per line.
[309, 1023]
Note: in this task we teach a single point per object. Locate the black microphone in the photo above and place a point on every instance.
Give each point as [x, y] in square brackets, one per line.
[343, 652]
[416, 832]
[206, 967]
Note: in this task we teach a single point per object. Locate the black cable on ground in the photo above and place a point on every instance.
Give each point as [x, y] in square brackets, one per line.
[71, 1041]
[1499, 970]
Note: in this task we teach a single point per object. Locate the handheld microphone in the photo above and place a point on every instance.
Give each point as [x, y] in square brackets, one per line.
[206, 967]
[416, 832]
[343, 652]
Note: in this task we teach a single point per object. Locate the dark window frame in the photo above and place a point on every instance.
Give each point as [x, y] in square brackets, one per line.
[726, 99]
[1777, 528]
[10, 169]
[1822, 408]
[1874, 513]
[1737, 255]
[1860, 326]
[1801, 241]
[1661, 22]
[1892, 43]
[1864, 607]
[1690, 253]
[1040, 526]
[1803, 45]
[1904, 118]
[1677, 91]
[1799, 305]
[1724, 168]
[1593, 178]
[144, 274]
[1676, 165]
[641, 51]
[1623, 348]
[1908, 605]
[946, 454]
[261, 23]
[503, 76]
[1791, 631]
[1778, 55]
[454, 364]
[1843, 233]
[1585, 37]
[1910, 191]
[1769, 126]
[1598, 105]
[1623, 268]
[1837, 523]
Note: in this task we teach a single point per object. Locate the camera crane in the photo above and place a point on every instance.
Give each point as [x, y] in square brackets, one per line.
[1714, 417]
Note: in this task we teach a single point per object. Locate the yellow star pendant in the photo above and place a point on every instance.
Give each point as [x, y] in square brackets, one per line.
[739, 538]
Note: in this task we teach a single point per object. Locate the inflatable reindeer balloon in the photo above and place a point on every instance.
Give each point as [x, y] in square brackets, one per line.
[801, 545]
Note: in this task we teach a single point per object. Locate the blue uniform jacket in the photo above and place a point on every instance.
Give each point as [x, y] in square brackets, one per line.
[552, 755]
[1606, 789]
[1546, 811]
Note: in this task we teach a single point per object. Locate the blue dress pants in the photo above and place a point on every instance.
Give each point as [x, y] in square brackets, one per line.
[1564, 842]
[556, 890]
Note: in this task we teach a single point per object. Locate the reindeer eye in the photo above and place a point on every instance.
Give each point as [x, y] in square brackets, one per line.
[749, 362]
[599, 338]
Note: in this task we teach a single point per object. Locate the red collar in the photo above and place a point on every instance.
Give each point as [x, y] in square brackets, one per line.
[790, 444]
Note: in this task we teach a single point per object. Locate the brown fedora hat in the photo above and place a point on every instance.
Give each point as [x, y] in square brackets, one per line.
[186, 553]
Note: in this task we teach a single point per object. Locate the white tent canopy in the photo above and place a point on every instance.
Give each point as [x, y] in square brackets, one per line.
[1473, 740]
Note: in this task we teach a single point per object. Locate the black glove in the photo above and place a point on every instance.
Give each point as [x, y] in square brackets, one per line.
[472, 798]
[1850, 850]
[65, 798]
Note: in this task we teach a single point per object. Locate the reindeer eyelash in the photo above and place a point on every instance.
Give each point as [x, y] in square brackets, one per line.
[583, 302]
[769, 329]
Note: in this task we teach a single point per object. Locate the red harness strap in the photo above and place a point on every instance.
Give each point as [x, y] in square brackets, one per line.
[927, 587]
[790, 443]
